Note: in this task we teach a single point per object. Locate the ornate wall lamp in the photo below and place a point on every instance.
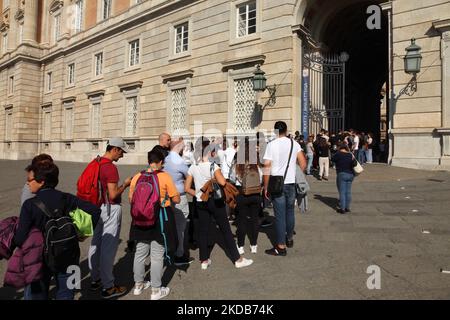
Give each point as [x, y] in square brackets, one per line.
[413, 61]
[259, 85]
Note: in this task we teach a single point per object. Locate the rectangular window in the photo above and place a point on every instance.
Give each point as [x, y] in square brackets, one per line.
[244, 104]
[95, 120]
[5, 43]
[179, 109]
[246, 19]
[11, 85]
[98, 58]
[49, 81]
[8, 124]
[78, 15]
[181, 37]
[68, 122]
[131, 117]
[71, 74]
[106, 9]
[57, 27]
[47, 123]
[133, 53]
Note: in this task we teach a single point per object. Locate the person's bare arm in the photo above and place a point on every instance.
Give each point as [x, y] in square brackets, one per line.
[114, 190]
[301, 160]
[188, 186]
[176, 199]
[220, 178]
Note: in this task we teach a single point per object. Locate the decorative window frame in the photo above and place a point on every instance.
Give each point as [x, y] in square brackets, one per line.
[95, 97]
[94, 65]
[131, 90]
[234, 75]
[56, 8]
[127, 67]
[100, 12]
[68, 103]
[177, 84]
[76, 30]
[46, 108]
[8, 112]
[48, 84]
[234, 39]
[70, 85]
[11, 85]
[172, 39]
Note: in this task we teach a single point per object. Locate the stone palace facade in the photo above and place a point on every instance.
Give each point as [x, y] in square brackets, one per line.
[75, 72]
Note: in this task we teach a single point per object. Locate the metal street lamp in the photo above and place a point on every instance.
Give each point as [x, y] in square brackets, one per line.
[413, 58]
[259, 85]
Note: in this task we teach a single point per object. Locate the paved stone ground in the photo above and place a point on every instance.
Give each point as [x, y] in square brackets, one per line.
[391, 207]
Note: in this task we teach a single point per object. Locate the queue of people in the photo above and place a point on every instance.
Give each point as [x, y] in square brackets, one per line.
[179, 185]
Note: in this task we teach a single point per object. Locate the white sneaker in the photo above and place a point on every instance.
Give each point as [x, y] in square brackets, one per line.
[243, 263]
[140, 286]
[254, 249]
[161, 293]
[241, 250]
[206, 264]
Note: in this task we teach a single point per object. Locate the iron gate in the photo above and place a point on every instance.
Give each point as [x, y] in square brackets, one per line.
[325, 74]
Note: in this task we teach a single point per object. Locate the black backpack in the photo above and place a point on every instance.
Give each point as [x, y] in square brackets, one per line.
[61, 248]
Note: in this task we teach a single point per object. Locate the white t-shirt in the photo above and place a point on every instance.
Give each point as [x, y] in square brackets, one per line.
[277, 151]
[356, 142]
[201, 173]
[226, 161]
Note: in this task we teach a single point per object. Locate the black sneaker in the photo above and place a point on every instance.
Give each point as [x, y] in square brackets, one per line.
[341, 211]
[96, 285]
[275, 251]
[266, 223]
[290, 243]
[115, 291]
[347, 210]
[179, 261]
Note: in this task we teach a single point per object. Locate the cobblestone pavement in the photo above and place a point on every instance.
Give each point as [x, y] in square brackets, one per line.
[391, 208]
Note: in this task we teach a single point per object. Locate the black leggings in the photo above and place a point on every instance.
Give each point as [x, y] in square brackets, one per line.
[216, 209]
[248, 208]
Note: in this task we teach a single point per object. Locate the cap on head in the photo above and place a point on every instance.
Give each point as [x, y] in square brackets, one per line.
[119, 143]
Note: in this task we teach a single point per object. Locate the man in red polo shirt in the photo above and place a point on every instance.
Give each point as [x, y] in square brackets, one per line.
[107, 232]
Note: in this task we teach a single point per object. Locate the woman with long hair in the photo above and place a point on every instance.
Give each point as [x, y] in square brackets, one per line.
[200, 173]
[323, 151]
[344, 170]
[248, 182]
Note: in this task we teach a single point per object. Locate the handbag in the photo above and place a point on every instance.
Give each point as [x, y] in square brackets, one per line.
[217, 193]
[357, 167]
[276, 183]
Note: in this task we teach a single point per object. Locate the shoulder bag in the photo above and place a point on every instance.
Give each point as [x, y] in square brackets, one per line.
[276, 183]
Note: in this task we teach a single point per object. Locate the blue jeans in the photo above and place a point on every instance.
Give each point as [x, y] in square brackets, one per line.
[369, 158]
[38, 290]
[344, 184]
[283, 207]
[310, 162]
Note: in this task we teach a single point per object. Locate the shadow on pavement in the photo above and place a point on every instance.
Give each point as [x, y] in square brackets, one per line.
[331, 202]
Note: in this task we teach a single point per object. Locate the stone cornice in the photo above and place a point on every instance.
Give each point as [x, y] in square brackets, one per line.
[68, 99]
[130, 85]
[178, 75]
[95, 93]
[8, 106]
[442, 25]
[56, 5]
[252, 60]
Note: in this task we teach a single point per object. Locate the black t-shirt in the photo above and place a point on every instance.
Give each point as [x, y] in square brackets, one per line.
[343, 161]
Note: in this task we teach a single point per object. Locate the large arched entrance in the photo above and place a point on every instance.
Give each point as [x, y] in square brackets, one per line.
[330, 28]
